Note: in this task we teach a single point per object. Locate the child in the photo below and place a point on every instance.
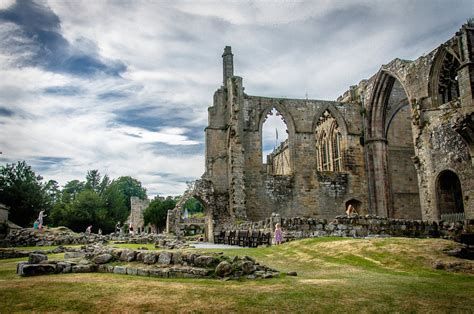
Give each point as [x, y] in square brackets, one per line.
[89, 230]
[278, 234]
[36, 224]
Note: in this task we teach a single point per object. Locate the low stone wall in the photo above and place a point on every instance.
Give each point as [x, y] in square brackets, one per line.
[64, 236]
[356, 226]
[164, 264]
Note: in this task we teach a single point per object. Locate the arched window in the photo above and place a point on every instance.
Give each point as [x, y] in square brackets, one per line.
[448, 87]
[328, 144]
[275, 144]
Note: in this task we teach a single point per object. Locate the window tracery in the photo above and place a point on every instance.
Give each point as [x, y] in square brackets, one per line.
[328, 144]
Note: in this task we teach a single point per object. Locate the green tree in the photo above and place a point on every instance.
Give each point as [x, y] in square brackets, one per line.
[87, 209]
[22, 190]
[157, 211]
[71, 190]
[115, 201]
[193, 206]
[95, 182]
[129, 187]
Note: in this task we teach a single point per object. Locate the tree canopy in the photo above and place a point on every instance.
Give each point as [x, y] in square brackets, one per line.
[97, 201]
[157, 211]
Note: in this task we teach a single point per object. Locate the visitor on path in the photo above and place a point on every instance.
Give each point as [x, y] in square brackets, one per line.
[99, 232]
[130, 230]
[36, 224]
[278, 234]
[89, 230]
[118, 229]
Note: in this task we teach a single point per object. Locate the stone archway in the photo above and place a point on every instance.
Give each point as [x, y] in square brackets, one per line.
[287, 153]
[449, 197]
[357, 205]
[389, 145]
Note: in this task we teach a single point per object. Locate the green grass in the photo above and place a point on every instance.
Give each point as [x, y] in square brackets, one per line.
[334, 275]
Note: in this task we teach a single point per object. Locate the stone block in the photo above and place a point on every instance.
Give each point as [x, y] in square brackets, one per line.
[165, 258]
[36, 258]
[120, 270]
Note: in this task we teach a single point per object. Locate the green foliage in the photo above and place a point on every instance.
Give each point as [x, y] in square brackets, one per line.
[71, 189]
[22, 191]
[193, 206]
[87, 209]
[156, 212]
[129, 187]
[97, 201]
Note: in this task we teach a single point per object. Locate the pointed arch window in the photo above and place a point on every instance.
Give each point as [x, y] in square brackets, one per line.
[328, 144]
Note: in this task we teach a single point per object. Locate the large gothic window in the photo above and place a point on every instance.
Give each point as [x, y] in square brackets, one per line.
[328, 144]
[448, 87]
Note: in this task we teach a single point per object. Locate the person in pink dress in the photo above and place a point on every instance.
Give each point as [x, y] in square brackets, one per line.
[278, 234]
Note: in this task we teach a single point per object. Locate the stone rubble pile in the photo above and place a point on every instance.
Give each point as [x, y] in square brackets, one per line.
[164, 264]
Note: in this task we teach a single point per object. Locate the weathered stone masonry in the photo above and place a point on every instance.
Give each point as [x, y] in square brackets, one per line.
[398, 145]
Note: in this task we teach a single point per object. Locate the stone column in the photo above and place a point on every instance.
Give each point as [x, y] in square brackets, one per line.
[379, 193]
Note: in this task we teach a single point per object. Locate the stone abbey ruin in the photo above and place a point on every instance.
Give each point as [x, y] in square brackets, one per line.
[397, 145]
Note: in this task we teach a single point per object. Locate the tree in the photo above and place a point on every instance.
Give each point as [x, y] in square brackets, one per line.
[22, 190]
[129, 187]
[193, 206]
[95, 182]
[71, 190]
[87, 209]
[157, 211]
[115, 201]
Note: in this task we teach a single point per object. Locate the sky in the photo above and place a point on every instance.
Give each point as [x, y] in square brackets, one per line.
[124, 86]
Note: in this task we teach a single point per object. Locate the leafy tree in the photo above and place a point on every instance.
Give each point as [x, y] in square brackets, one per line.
[193, 206]
[53, 193]
[157, 211]
[22, 190]
[115, 201]
[71, 190]
[87, 209]
[95, 182]
[129, 187]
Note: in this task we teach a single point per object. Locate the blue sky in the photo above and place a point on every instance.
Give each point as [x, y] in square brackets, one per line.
[124, 86]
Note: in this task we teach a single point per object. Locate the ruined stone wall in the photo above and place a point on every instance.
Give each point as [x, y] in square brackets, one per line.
[278, 162]
[397, 137]
[136, 214]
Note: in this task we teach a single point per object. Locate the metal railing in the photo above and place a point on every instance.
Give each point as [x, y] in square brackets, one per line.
[453, 217]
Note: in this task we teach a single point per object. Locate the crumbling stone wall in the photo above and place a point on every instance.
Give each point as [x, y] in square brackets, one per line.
[135, 219]
[400, 129]
[295, 228]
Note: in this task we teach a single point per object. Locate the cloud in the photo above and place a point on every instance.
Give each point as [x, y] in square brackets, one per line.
[35, 35]
[124, 86]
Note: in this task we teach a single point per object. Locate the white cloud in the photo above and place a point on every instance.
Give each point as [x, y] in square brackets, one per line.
[172, 51]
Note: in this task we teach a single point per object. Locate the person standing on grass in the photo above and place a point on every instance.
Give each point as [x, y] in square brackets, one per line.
[278, 234]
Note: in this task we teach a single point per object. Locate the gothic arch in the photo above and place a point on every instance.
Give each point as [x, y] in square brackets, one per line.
[379, 118]
[449, 196]
[377, 105]
[444, 72]
[290, 125]
[335, 113]
[328, 142]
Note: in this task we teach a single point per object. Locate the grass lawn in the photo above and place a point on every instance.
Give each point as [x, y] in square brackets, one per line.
[334, 275]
